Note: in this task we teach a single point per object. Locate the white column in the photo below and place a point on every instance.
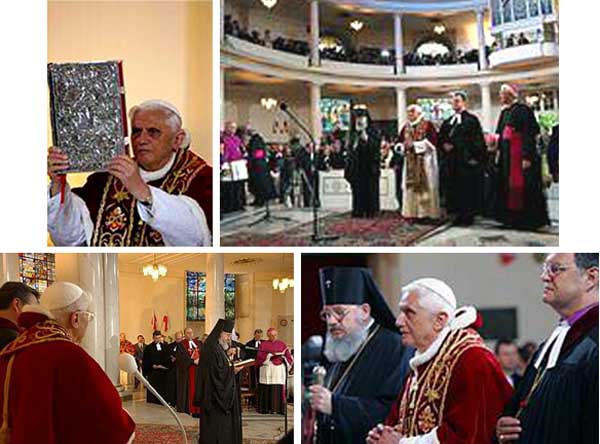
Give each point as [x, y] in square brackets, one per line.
[222, 95]
[111, 315]
[483, 62]
[401, 106]
[555, 99]
[398, 43]
[9, 267]
[91, 279]
[215, 296]
[315, 112]
[222, 20]
[486, 107]
[314, 33]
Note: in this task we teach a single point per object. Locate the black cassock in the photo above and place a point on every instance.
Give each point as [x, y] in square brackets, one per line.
[171, 378]
[521, 202]
[183, 364]
[563, 409]
[362, 172]
[156, 377]
[461, 169]
[218, 396]
[363, 388]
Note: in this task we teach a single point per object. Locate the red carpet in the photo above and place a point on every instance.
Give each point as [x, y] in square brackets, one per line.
[388, 229]
[167, 434]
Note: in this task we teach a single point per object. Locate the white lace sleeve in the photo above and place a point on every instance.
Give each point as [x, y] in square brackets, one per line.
[69, 224]
[179, 219]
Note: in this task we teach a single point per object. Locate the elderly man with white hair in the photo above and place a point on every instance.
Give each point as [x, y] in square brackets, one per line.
[160, 196]
[456, 389]
[420, 183]
[54, 387]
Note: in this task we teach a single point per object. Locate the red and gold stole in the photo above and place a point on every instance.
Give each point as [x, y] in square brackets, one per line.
[118, 223]
[424, 395]
[40, 332]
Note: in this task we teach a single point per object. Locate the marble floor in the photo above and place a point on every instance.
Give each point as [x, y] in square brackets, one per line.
[484, 232]
[254, 425]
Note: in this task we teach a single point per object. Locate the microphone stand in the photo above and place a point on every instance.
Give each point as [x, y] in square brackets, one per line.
[285, 410]
[316, 236]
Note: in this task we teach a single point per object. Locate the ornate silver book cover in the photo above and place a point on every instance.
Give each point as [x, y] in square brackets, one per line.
[87, 109]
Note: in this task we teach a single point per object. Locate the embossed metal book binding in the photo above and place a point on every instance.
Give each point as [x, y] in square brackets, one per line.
[87, 110]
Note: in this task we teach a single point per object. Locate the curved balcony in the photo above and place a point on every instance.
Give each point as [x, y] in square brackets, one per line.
[237, 53]
[532, 53]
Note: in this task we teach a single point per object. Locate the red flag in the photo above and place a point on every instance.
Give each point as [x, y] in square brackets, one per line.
[165, 322]
[506, 258]
[154, 322]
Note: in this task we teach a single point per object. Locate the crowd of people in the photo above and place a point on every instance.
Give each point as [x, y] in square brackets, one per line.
[344, 53]
[426, 375]
[44, 368]
[171, 367]
[449, 170]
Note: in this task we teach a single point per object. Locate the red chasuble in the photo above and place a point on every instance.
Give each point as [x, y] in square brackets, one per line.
[193, 353]
[113, 209]
[461, 391]
[57, 394]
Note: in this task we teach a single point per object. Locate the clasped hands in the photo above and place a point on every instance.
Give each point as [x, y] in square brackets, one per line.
[382, 434]
[122, 167]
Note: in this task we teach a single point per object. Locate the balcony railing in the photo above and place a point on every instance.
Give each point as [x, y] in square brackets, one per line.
[530, 53]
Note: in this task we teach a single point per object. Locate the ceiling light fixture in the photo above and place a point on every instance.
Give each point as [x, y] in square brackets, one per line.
[357, 25]
[269, 3]
[283, 284]
[154, 270]
[268, 103]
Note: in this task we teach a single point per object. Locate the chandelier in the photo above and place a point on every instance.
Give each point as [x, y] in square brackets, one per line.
[154, 270]
[283, 284]
[269, 3]
[357, 25]
[268, 103]
[439, 29]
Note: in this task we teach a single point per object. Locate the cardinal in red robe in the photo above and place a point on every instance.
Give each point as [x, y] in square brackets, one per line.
[53, 392]
[456, 389]
[272, 374]
[188, 357]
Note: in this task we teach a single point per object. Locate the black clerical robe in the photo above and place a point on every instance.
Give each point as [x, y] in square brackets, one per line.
[461, 168]
[218, 396]
[363, 388]
[564, 406]
[186, 375]
[362, 172]
[521, 202]
[157, 377]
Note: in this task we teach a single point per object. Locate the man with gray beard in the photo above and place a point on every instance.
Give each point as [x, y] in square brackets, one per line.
[364, 357]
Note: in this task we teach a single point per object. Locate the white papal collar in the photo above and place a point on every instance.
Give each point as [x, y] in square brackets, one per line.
[421, 358]
[149, 176]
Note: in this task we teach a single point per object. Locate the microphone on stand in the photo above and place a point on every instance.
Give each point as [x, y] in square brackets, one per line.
[127, 364]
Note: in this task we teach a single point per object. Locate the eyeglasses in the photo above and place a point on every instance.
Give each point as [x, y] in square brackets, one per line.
[338, 315]
[554, 269]
[91, 316]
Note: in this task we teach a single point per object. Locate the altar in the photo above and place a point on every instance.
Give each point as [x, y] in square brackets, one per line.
[335, 192]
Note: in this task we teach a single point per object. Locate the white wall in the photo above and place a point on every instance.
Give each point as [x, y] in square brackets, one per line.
[479, 279]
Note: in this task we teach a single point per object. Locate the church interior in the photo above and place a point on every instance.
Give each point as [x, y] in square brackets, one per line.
[322, 58]
[138, 293]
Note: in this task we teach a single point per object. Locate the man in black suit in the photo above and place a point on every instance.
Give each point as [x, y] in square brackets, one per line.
[13, 297]
[254, 343]
[508, 355]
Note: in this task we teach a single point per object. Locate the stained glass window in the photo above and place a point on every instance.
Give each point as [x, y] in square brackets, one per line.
[507, 8]
[546, 6]
[496, 13]
[196, 295]
[436, 110]
[38, 270]
[520, 9]
[534, 11]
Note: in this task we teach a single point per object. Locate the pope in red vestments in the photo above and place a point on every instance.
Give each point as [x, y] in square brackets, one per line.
[456, 389]
[57, 393]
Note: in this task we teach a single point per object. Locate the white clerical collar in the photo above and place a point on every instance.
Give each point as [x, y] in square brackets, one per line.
[456, 118]
[149, 176]
[556, 340]
[192, 343]
[421, 358]
[158, 346]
